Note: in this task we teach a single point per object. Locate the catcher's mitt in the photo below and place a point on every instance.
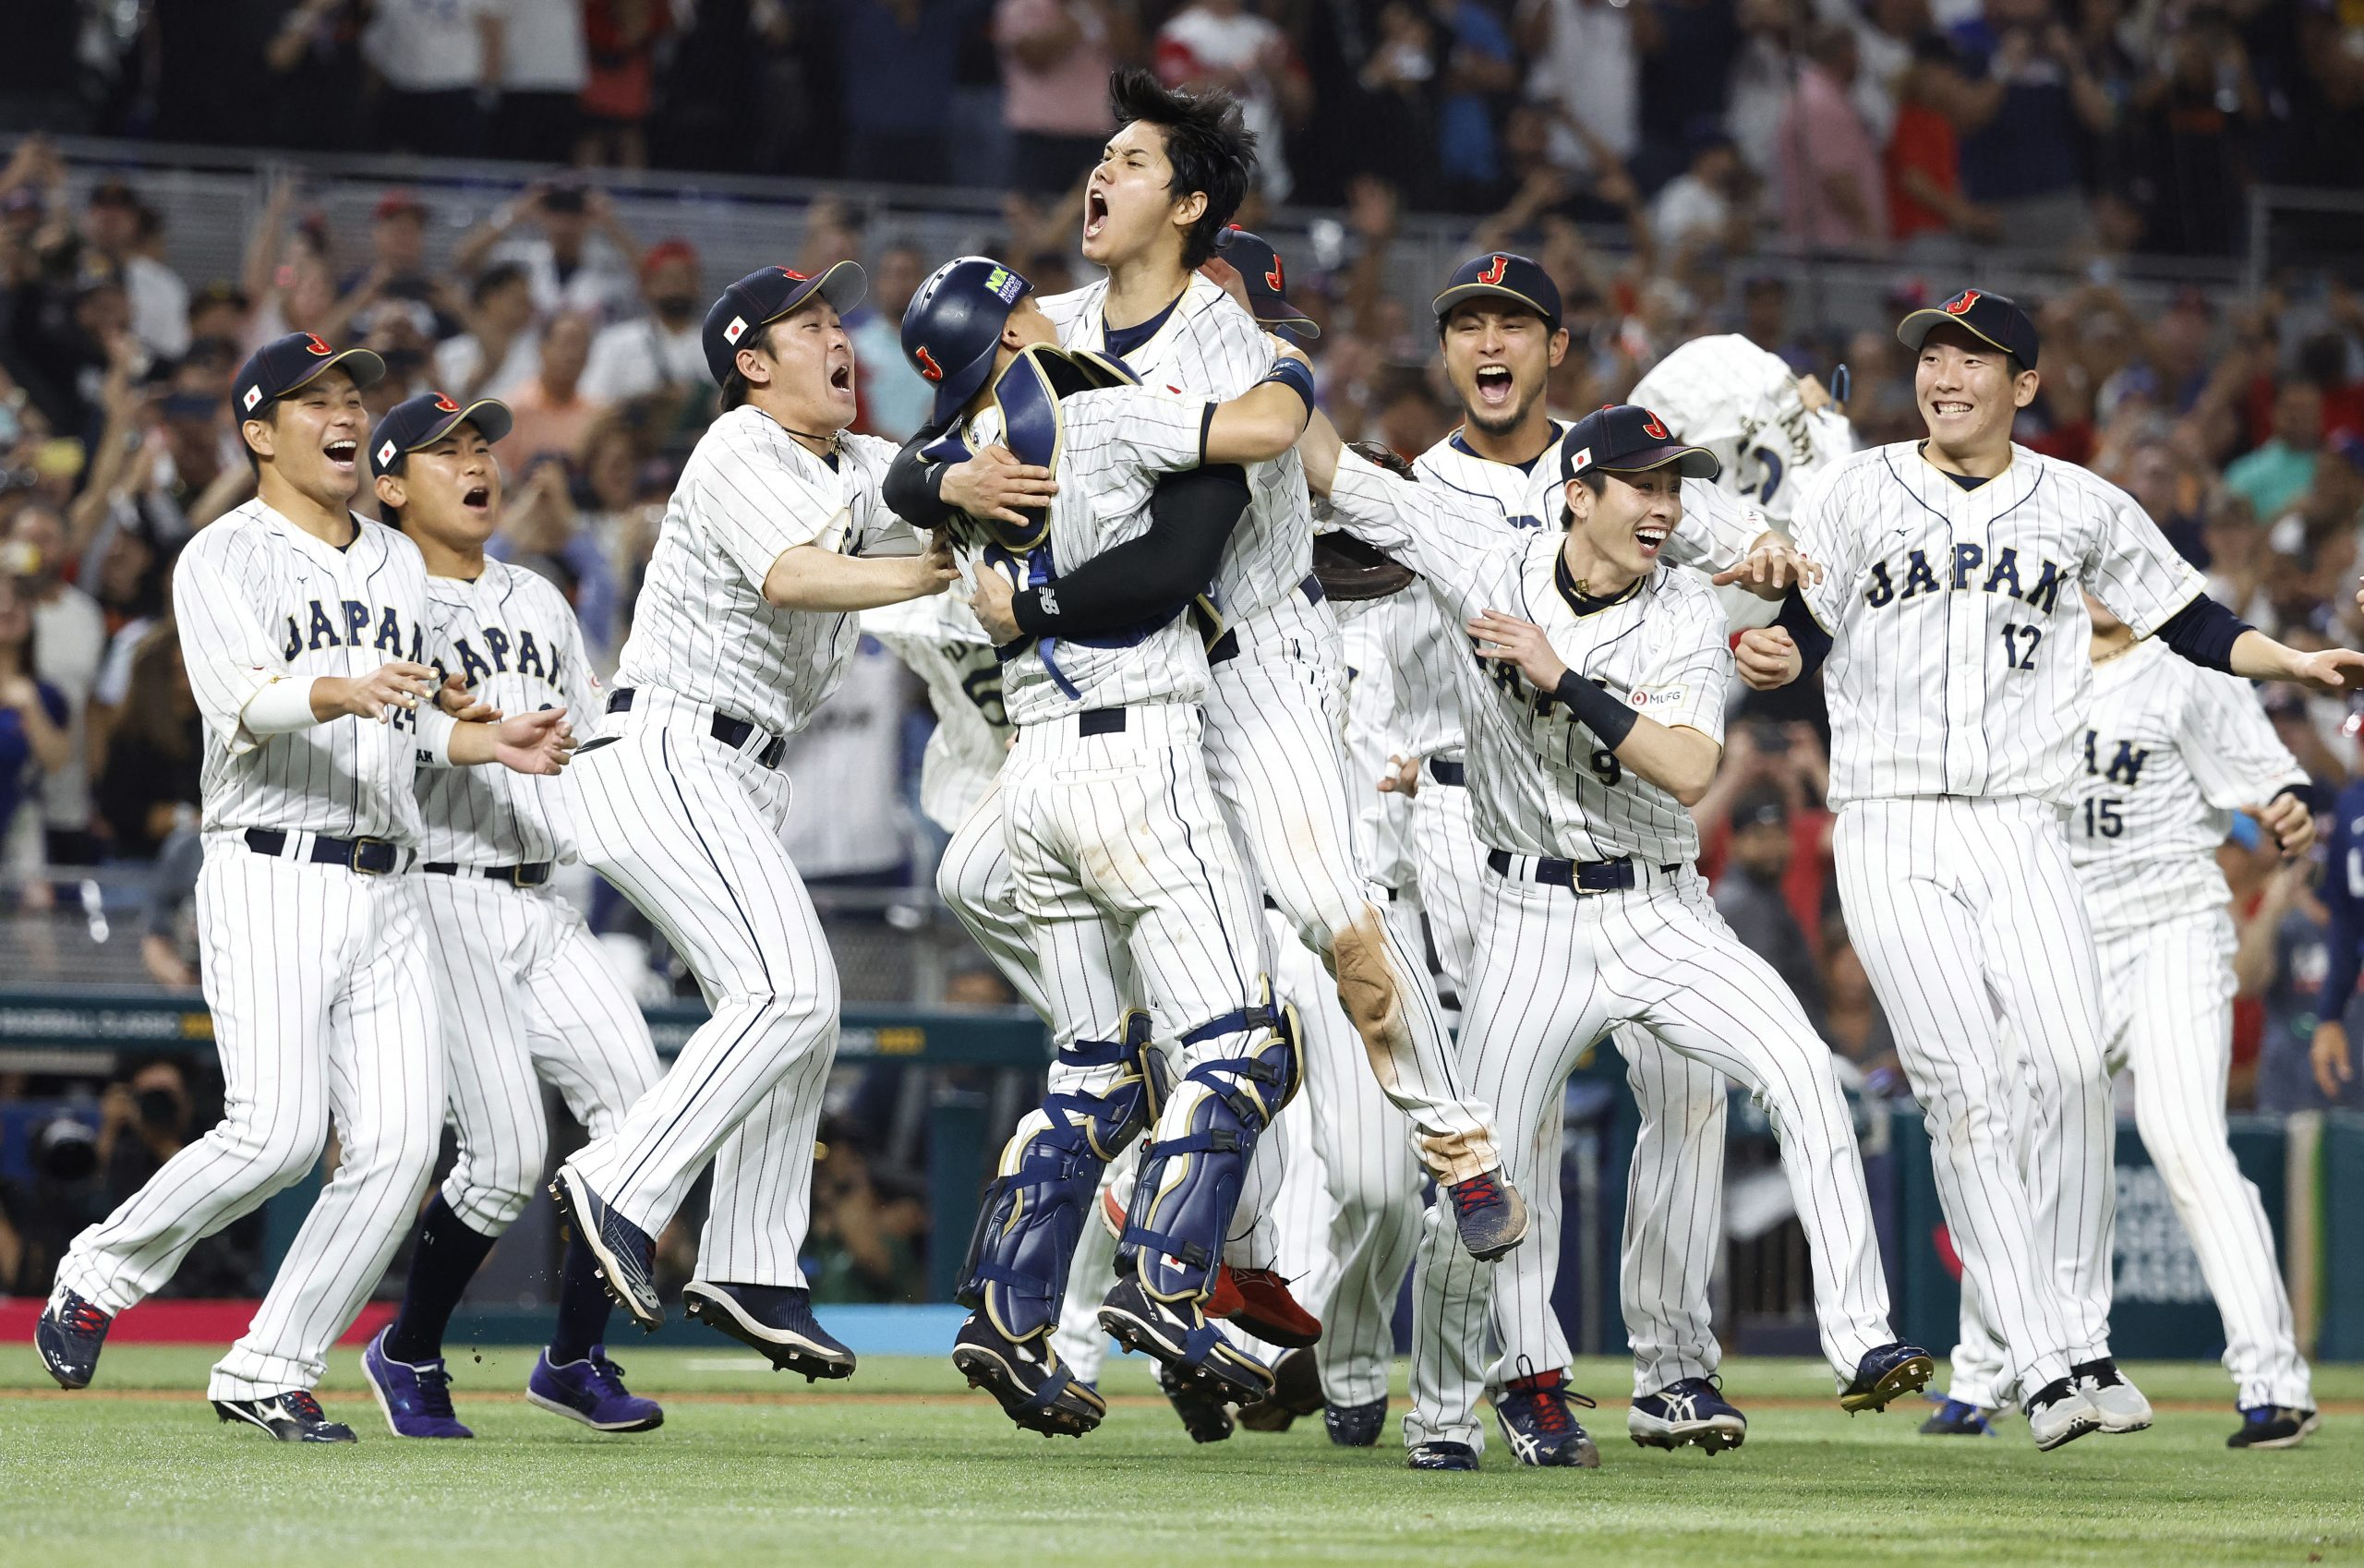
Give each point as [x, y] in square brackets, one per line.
[1350, 569]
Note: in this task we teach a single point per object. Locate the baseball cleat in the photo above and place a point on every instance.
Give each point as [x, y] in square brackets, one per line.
[625, 1254]
[415, 1396]
[1954, 1418]
[2273, 1426]
[2059, 1412]
[1177, 1334]
[1258, 1301]
[1689, 1410]
[1887, 1372]
[1355, 1426]
[591, 1391]
[1537, 1422]
[1026, 1378]
[1297, 1391]
[1490, 1214]
[776, 1319]
[2123, 1408]
[69, 1335]
[1440, 1456]
[293, 1417]
[1201, 1406]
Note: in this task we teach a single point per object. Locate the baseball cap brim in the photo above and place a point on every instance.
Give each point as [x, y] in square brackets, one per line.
[363, 365]
[844, 285]
[1914, 330]
[1462, 293]
[489, 414]
[1691, 461]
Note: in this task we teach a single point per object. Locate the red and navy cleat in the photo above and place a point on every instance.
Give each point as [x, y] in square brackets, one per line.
[69, 1335]
[1490, 1214]
[1538, 1424]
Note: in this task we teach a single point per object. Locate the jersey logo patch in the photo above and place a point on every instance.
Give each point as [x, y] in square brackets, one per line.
[1659, 699]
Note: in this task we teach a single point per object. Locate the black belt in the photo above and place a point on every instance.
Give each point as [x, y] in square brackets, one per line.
[532, 874]
[1444, 770]
[1227, 646]
[731, 732]
[1577, 876]
[1100, 721]
[370, 857]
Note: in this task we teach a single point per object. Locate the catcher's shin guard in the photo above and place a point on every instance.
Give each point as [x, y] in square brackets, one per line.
[1017, 1267]
[1189, 1185]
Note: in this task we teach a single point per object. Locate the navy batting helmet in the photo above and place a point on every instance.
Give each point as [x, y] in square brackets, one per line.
[954, 324]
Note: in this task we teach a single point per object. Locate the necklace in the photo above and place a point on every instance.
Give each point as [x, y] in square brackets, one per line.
[2119, 652]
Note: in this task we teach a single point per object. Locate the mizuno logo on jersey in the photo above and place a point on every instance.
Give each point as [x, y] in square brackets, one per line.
[352, 625]
[2125, 768]
[1914, 577]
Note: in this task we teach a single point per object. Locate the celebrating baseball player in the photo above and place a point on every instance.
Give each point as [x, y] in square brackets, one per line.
[1128, 882]
[2169, 751]
[525, 996]
[1167, 183]
[1958, 679]
[771, 546]
[1595, 715]
[304, 628]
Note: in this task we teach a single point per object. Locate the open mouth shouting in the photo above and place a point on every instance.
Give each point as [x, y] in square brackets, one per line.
[1495, 387]
[478, 498]
[343, 454]
[1652, 538]
[841, 377]
[1095, 213]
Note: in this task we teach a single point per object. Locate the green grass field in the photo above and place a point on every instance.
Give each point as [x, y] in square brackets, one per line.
[906, 1466]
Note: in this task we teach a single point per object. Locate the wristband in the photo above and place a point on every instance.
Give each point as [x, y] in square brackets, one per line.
[1297, 375]
[1599, 712]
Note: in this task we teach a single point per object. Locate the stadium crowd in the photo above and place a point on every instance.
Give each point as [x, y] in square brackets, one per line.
[1907, 131]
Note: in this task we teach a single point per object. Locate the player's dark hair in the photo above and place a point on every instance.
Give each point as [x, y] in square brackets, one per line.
[735, 390]
[1208, 145]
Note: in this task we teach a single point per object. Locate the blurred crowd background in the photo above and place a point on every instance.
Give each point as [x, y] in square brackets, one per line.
[498, 197]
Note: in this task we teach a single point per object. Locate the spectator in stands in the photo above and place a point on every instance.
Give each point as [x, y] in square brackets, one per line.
[150, 785]
[1851, 1021]
[2031, 104]
[145, 1118]
[317, 75]
[865, 1244]
[575, 251]
[1833, 196]
[1705, 205]
[2280, 960]
[542, 72]
[1750, 898]
[168, 950]
[2193, 116]
[620, 88]
[893, 399]
[34, 741]
[399, 267]
[441, 61]
[1584, 77]
[1481, 73]
[896, 64]
[660, 350]
[1928, 216]
[2282, 466]
[1229, 45]
[1055, 58]
[69, 638]
[552, 416]
[500, 348]
[123, 231]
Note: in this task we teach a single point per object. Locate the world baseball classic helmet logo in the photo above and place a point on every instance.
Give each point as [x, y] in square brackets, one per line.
[928, 366]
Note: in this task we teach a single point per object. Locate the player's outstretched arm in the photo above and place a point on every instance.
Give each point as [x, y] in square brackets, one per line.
[1772, 566]
[1148, 577]
[1266, 420]
[2212, 636]
[540, 741]
[810, 578]
[1676, 758]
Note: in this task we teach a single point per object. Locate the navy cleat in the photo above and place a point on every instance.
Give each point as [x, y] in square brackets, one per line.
[1887, 1372]
[625, 1254]
[1199, 1404]
[1027, 1379]
[1533, 1413]
[1177, 1334]
[1355, 1426]
[1689, 1410]
[1297, 1391]
[415, 1395]
[68, 1336]
[776, 1319]
[2273, 1426]
[293, 1417]
[591, 1391]
[1442, 1456]
[1490, 1214]
[1955, 1418]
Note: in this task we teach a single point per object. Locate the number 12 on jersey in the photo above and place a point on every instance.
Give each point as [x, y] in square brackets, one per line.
[2019, 644]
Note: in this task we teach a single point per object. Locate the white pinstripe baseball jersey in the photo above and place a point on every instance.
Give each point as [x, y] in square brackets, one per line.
[701, 627]
[1960, 663]
[258, 600]
[2169, 749]
[1660, 648]
[512, 637]
[938, 640]
[1743, 403]
[1113, 444]
[1210, 347]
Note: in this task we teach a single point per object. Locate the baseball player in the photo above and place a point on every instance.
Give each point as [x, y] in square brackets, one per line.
[1128, 884]
[304, 630]
[1774, 432]
[523, 993]
[1958, 680]
[773, 543]
[1595, 714]
[2169, 751]
[1498, 319]
[1167, 184]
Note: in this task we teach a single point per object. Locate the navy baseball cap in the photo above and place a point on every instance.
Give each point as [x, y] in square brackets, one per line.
[288, 364]
[1501, 275]
[1991, 317]
[1623, 437]
[421, 421]
[1260, 269]
[763, 297]
[954, 324]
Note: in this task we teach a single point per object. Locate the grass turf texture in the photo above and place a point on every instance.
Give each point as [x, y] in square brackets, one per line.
[905, 1464]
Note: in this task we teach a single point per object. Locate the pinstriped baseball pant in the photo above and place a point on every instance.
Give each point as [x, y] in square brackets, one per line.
[1968, 917]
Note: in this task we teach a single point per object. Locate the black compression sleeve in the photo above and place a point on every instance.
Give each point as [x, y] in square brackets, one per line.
[1599, 712]
[2204, 632]
[1190, 517]
[1814, 643]
[914, 487]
